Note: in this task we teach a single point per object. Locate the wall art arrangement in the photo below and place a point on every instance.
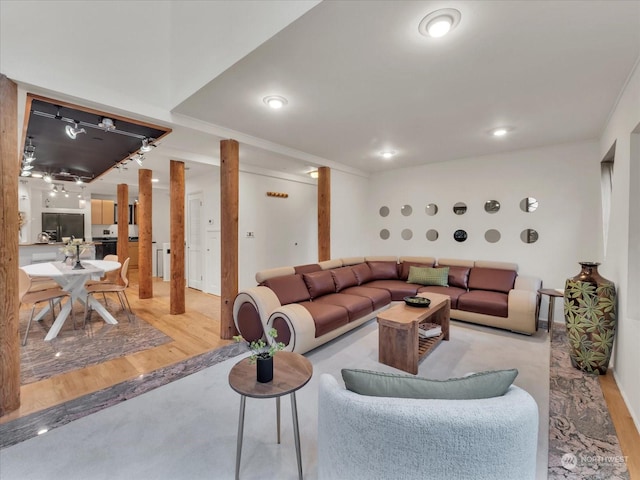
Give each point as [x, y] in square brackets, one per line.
[460, 235]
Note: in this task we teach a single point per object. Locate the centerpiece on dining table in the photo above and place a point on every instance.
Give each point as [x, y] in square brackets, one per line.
[73, 248]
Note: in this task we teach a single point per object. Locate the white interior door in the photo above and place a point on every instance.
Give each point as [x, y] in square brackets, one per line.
[212, 271]
[194, 241]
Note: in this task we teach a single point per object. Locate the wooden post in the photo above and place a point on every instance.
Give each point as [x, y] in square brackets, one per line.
[9, 305]
[145, 229]
[123, 222]
[176, 213]
[229, 181]
[324, 214]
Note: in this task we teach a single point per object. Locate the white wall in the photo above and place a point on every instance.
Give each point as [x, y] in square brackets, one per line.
[349, 208]
[285, 229]
[564, 179]
[617, 266]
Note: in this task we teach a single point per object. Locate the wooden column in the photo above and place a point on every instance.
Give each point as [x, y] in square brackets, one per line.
[9, 305]
[145, 229]
[324, 214]
[229, 187]
[123, 222]
[177, 258]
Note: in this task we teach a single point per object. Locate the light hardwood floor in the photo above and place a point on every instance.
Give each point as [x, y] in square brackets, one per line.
[198, 331]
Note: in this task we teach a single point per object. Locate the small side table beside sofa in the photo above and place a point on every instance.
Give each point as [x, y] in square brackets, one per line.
[553, 294]
[291, 372]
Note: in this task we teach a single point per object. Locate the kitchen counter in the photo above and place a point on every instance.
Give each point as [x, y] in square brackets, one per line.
[29, 253]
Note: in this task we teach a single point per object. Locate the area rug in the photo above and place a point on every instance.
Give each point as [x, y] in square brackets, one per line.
[77, 348]
[187, 429]
[582, 439]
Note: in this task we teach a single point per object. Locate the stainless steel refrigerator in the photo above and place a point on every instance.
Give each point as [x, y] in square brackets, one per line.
[63, 225]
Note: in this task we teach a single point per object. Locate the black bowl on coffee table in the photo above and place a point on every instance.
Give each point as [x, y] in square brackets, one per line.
[417, 301]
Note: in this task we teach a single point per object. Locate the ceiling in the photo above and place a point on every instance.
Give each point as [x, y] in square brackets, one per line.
[360, 79]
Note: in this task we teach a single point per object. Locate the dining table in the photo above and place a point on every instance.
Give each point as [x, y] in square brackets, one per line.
[72, 279]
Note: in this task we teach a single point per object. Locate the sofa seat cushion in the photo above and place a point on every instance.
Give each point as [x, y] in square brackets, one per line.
[357, 307]
[494, 279]
[288, 288]
[319, 283]
[326, 317]
[378, 296]
[397, 288]
[483, 301]
[453, 292]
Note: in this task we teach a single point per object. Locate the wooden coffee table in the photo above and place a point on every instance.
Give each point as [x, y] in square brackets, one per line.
[399, 344]
[291, 371]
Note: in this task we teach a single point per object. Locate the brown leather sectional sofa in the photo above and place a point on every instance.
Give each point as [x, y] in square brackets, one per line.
[312, 304]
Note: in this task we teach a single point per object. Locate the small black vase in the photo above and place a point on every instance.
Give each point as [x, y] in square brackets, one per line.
[264, 368]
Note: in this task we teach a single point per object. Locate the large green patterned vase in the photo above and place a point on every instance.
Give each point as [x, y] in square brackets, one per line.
[590, 316]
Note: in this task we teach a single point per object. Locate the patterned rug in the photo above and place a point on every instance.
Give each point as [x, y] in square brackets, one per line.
[582, 439]
[79, 348]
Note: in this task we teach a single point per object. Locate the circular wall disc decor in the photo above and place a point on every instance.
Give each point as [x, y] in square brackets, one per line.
[460, 235]
[385, 234]
[431, 209]
[407, 234]
[432, 235]
[384, 211]
[492, 235]
[529, 235]
[491, 206]
[528, 204]
[460, 208]
[406, 210]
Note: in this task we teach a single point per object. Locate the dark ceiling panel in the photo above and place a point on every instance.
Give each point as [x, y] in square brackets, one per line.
[92, 153]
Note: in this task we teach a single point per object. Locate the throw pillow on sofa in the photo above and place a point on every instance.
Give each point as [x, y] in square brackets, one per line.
[478, 385]
[429, 276]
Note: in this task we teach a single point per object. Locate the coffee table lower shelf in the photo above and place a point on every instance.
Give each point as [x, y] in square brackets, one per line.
[426, 345]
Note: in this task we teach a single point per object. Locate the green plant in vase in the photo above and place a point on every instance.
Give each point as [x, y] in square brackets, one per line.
[262, 354]
[260, 349]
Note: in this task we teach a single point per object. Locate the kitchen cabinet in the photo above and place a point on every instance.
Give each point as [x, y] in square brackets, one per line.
[133, 254]
[102, 212]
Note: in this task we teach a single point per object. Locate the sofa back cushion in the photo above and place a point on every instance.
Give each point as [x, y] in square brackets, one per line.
[404, 268]
[493, 279]
[319, 283]
[383, 270]
[288, 288]
[362, 273]
[475, 386]
[311, 267]
[459, 277]
[344, 278]
[429, 276]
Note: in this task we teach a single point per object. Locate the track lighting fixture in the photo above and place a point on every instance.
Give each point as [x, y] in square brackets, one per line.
[73, 132]
[79, 181]
[47, 178]
[107, 124]
[139, 159]
[147, 145]
[29, 151]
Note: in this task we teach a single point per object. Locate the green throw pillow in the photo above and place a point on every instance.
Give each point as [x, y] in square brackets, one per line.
[429, 276]
[478, 385]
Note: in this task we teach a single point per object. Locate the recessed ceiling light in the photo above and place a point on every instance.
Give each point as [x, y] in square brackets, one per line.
[275, 101]
[155, 180]
[37, 175]
[439, 23]
[387, 154]
[500, 132]
[42, 431]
